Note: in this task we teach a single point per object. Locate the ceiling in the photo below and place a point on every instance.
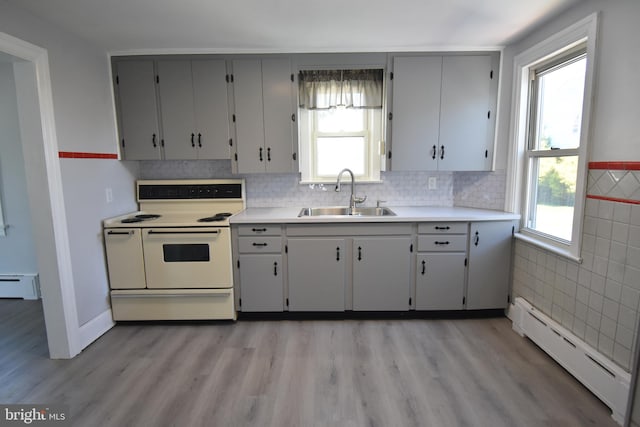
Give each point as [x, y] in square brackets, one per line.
[295, 25]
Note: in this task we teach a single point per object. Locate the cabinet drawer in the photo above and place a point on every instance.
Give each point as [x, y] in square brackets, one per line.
[269, 244]
[442, 228]
[259, 230]
[442, 243]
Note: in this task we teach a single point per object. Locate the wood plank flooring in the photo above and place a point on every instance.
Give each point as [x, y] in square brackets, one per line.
[469, 372]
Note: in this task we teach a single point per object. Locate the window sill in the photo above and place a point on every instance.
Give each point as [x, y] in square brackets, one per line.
[548, 247]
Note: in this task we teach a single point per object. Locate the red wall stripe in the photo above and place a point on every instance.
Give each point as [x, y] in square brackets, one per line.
[80, 155]
[626, 166]
[613, 199]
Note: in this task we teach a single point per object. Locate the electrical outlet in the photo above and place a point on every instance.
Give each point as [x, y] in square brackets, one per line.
[432, 183]
[108, 192]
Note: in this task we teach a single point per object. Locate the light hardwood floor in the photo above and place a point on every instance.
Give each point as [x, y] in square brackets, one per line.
[468, 372]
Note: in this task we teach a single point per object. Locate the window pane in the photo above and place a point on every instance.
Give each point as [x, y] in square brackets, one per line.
[340, 120]
[336, 153]
[560, 93]
[553, 195]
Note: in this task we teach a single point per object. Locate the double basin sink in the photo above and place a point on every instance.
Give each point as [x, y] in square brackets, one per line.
[344, 211]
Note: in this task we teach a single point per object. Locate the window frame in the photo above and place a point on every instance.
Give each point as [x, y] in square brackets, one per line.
[549, 53]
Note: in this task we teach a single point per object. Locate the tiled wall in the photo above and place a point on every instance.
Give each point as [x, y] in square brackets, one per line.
[484, 190]
[471, 189]
[597, 300]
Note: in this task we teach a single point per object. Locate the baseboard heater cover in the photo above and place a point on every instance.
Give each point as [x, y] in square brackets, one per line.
[24, 286]
[600, 375]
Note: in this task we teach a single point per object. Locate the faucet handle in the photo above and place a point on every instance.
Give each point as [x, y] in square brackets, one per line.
[378, 202]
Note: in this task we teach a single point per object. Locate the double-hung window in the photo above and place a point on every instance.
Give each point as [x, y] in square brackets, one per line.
[554, 127]
[340, 123]
[552, 102]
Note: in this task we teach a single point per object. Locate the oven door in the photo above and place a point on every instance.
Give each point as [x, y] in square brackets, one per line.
[183, 258]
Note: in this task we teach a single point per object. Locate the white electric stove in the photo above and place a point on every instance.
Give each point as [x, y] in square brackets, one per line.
[171, 260]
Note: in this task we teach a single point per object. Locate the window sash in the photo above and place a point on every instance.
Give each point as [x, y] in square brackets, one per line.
[365, 133]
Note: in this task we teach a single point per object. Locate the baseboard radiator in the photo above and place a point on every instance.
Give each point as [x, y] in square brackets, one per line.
[600, 375]
[24, 286]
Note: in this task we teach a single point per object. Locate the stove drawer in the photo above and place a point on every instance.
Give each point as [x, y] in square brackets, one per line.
[173, 304]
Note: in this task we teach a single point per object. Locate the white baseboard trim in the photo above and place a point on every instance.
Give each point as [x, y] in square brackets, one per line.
[600, 375]
[95, 328]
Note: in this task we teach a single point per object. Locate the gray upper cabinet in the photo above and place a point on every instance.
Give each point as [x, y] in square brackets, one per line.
[416, 112]
[193, 104]
[264, 114]
[138, 112]
[443, 112]
[467, 113]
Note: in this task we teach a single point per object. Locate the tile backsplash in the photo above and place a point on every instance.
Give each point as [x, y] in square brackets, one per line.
[599, 299]
[470, 189]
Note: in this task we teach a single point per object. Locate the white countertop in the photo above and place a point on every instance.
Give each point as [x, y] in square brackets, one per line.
[403, 214]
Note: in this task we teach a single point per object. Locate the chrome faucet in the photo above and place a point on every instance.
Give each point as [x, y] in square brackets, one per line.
[354, 199]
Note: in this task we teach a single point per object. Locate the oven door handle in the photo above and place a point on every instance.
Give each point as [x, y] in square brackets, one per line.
[124, 233]
[184, 232]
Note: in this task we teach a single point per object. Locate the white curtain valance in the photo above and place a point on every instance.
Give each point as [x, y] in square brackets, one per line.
[324, 89]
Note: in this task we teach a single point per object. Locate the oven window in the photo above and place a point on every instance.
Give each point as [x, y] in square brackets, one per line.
[183, 252]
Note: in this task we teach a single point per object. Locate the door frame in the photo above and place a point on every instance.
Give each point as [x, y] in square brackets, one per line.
[44, 184]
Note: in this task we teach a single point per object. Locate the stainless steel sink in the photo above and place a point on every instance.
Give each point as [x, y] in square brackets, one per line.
[344, 211]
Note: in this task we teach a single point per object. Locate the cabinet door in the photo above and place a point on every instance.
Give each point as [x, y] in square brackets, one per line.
[489, 264]
[261, 283]
[416, 112]
[317, 272]
[211, 108]
[466, 122]
[440, 281]
[140, 135]
[277, 90]
[176, 105]
[381, 273]
[124, 258]
[249, 121]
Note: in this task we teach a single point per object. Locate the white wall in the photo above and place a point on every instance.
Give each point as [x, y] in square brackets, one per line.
[18, 252]
[598, 299]
[85, 122]
[616, 109]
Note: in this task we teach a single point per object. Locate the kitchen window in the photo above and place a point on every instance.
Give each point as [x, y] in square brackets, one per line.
[340, 124]
[552, 109]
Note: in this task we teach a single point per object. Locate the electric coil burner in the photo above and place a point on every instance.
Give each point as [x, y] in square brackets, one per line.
[172, 259]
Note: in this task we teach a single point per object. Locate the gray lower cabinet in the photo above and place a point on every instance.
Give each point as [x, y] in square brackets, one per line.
[489, 264]
[317, 274]
[262, 285]
[381, 273]
[260, 268]
[440, 281]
